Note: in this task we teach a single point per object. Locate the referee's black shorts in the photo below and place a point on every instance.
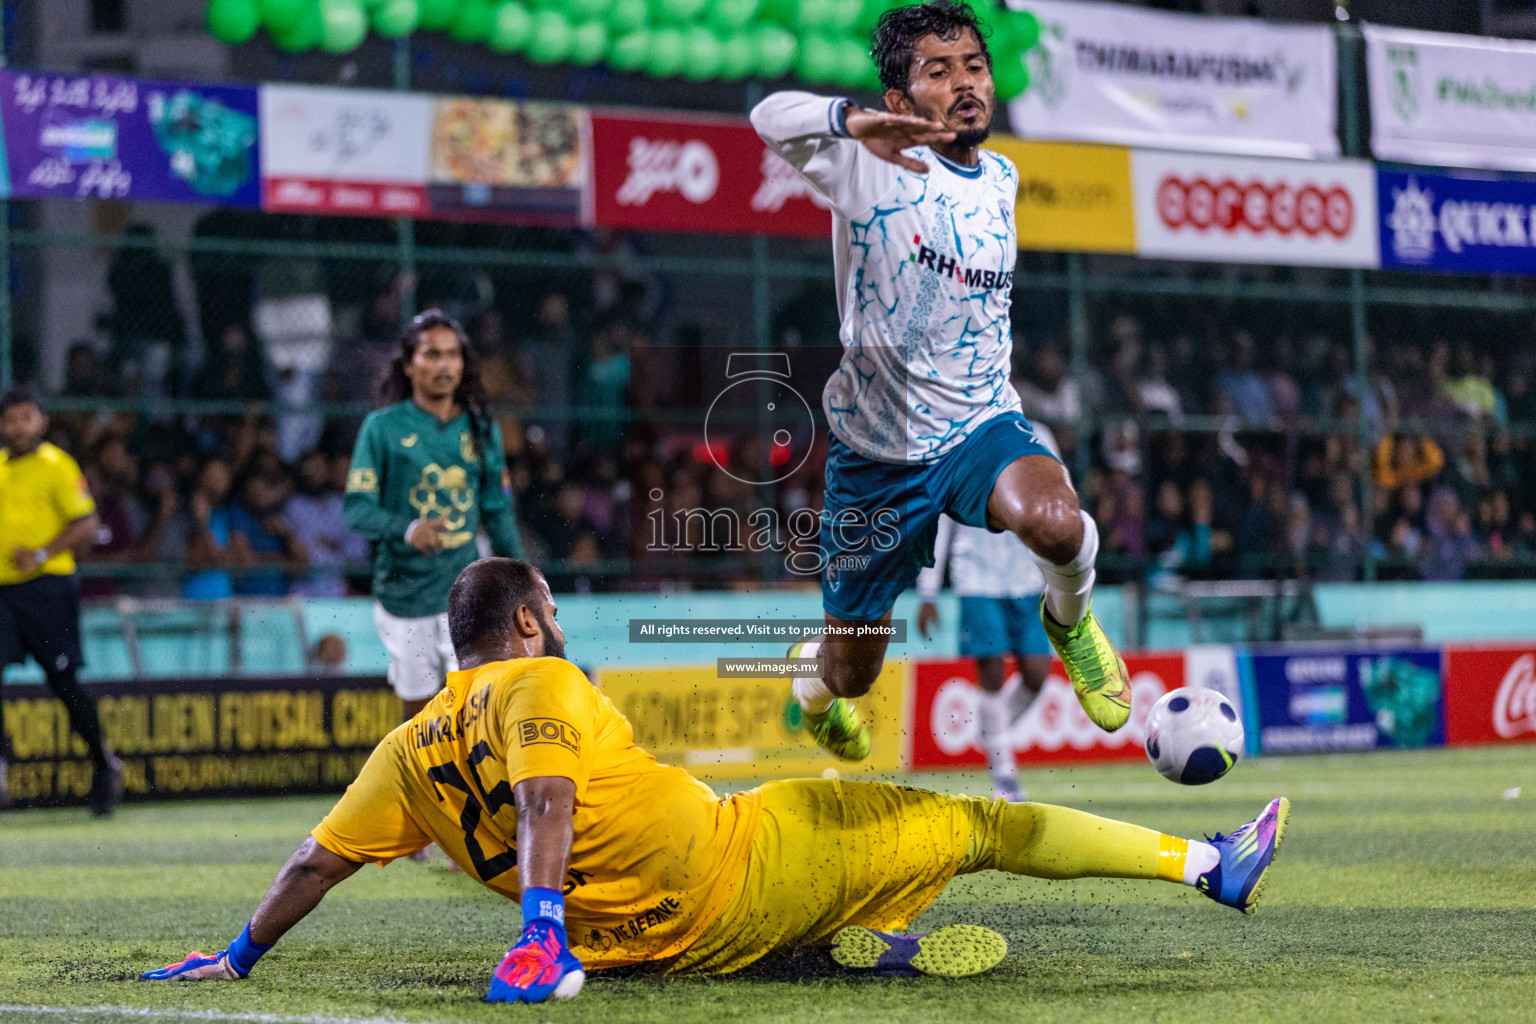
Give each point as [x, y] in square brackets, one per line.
[41, 617]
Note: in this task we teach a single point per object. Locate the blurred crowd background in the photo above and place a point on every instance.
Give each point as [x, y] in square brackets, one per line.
[1223, 438]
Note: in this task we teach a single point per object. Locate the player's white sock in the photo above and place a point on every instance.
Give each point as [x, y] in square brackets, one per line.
[1200, 858]
[1069, 587]
[812, 693]
[992, 709]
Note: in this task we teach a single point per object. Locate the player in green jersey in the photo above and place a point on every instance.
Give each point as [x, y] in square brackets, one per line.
[427, 474]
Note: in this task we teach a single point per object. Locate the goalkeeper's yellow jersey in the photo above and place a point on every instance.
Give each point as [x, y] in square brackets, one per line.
[656, 853]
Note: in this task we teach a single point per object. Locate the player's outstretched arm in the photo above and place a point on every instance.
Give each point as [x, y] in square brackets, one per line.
[540, 964]
[886, 135]
[309, 874]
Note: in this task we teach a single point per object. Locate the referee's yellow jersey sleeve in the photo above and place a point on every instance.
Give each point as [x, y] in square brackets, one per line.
[548, 722]
[71, 494]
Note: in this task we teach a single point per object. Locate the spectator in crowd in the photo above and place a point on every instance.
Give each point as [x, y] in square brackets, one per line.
[320, 530]
[148, 335]
[234, 369]
[1450, 542]
[1401, 460]
[112, 473]
[202, 536]
[1240, 387]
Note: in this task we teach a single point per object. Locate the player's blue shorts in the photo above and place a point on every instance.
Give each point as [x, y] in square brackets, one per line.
[990, 626]
[879, 519]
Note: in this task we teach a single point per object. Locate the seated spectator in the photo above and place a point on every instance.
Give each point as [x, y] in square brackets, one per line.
[320, 530]
[260, 535]
[234, 369]
[1472, 392]
[1240, 387]
[112, 473]
[1401, 460]
[1450, 542]
[83, 375]
[199, 535]
[1154, 391]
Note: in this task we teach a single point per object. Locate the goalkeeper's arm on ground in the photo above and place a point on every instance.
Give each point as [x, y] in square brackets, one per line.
[309, 874]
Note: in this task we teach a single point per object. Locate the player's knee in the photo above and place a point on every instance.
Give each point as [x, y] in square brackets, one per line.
[1052, 527]
[851, 679]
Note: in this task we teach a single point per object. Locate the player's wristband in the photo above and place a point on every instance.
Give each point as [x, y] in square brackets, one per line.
[243, 953]
[543, 905]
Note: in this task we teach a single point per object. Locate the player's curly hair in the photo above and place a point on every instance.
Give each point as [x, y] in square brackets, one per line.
[894, 41]
[470, 394]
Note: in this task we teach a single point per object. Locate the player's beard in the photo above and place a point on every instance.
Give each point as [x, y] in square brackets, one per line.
[554, 647]
[972, 137]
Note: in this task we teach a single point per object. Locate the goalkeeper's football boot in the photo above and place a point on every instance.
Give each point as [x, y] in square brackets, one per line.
[1097, 673]
[954, 951]
[1246, 856]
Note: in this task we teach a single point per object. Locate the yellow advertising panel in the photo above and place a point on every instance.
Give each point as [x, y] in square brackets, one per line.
[1072, 198]
[746, 728]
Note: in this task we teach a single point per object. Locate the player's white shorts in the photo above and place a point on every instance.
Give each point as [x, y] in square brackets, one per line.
[420, 652]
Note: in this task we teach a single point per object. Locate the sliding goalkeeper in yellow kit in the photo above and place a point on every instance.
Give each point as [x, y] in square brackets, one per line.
[529, 778]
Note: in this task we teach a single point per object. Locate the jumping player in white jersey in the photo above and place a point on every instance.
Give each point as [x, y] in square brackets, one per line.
[923, 418]
[999, 587]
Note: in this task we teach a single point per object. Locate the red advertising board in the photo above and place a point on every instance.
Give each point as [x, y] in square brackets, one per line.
[1054, 729]
[692, 174]
[1490, 694]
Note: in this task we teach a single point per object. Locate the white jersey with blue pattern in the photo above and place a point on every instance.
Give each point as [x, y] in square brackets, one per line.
[924, 266]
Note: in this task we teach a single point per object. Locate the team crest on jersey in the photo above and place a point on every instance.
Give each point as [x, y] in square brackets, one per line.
[987, 280]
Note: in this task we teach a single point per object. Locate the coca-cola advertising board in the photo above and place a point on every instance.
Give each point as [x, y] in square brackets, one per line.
[349, 151]
[944, 727]
[697, 174]
[1251, 210]
[1490, 694]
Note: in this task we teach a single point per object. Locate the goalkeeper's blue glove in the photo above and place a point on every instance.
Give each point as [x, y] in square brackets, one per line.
[540, 965]
[230, 964]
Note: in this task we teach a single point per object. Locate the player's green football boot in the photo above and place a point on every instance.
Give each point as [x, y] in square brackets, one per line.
[1097, 673]
[839, 730]
[954, 951]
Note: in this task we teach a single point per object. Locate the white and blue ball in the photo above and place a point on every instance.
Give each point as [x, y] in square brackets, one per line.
[1194, 736]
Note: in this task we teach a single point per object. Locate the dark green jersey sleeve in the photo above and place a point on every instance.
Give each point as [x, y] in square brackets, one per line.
[496, 512]
[365, 511]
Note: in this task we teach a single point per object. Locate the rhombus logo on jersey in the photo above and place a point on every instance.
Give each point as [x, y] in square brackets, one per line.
[946, 267]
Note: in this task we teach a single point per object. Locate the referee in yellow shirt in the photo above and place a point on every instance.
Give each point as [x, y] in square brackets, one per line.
[46, 511]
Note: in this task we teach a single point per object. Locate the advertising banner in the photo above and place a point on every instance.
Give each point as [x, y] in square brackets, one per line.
[1348, 700]
[1243, 210]
[1490, 694]
[745, 728]
[499, 159]
[1458, 101]
[1472, 225]
[692, 174]
[1054, 730]
[97, 137]
[1072, 198]
[1107, 72]
[349, 151]
[202, 737]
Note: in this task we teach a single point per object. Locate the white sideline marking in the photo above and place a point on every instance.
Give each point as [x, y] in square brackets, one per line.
[218, 1015]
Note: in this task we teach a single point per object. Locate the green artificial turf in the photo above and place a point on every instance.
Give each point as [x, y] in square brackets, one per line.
[1406, 891]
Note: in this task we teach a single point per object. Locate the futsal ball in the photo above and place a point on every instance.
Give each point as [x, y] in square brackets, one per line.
[1194, 736]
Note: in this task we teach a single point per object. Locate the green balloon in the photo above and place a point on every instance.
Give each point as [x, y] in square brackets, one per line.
[511, 25]
[343, 25]
[626, 16]
[551, 37]
[777, 12]
[472, 23]
[629, 52]
[727, 16]
[233, 21]
[1009, 76]
[812, 15]
[1024, 28]
[676, 12]
[438, 15]
[776, 49]
[285, 15]
[853, 63]
[303, 35]
[394, 19]
[869, 14]
[589, 41]
[818, 61]
[840, 15]
[667, 53]
[578, 11]
[738, 57]
[701, 54]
